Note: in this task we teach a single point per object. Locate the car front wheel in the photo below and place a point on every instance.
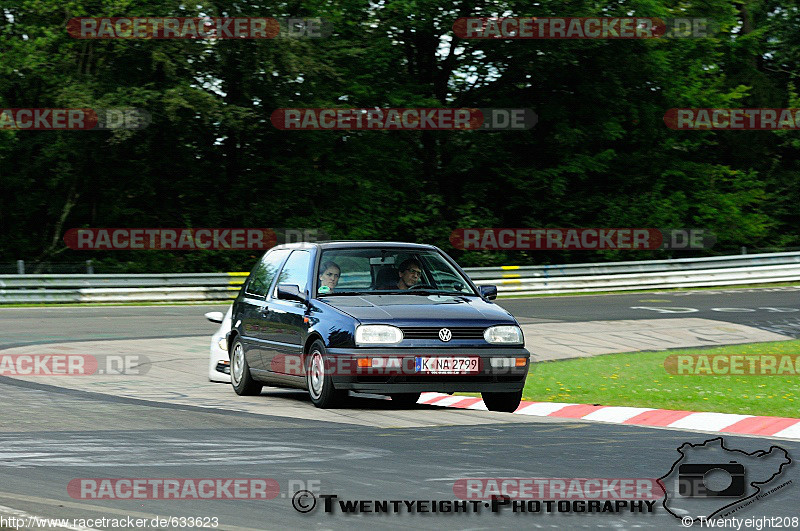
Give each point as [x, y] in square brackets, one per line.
[506, 402]
[241, 380]
[319, 381]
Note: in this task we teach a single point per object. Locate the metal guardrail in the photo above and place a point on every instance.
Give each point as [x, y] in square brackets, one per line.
[122, 281]
[640, 281]
[169, 287]
[645, 266]
[511, 280]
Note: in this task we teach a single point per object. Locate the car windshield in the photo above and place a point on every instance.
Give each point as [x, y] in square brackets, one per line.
[387, 271]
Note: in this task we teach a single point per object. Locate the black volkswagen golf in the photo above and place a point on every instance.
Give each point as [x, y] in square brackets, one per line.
[377, 317]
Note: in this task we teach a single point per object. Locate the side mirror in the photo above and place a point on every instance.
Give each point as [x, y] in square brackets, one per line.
[290, 292]
[489, 292]
[215, 317]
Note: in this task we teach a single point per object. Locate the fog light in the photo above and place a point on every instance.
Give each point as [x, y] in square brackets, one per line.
[501, 362]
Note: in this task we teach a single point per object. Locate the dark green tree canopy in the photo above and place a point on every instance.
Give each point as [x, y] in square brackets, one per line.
[599, 156]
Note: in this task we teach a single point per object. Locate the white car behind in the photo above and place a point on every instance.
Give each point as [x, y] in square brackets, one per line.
[219, 369]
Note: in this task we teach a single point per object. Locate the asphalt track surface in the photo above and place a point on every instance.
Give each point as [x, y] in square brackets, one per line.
[52, 435]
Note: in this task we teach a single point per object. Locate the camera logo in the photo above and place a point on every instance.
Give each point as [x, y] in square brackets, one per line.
[710, 480]
[701, 480]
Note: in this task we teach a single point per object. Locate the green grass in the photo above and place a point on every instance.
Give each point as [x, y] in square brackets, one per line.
[640, 379]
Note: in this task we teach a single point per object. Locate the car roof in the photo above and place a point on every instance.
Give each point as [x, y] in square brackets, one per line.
[355, 244]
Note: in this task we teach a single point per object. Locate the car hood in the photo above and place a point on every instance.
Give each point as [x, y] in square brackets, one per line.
[417, 310]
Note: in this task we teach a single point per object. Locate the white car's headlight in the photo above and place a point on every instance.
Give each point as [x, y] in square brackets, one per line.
[506, 334]
[378, 335]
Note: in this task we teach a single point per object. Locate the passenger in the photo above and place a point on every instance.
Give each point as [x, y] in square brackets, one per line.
[329, 277]
[410, 272]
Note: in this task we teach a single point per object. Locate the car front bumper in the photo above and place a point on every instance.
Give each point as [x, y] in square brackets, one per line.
[405, 379]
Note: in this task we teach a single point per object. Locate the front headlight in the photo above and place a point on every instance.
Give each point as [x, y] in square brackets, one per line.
[378, 335]
[503, 334]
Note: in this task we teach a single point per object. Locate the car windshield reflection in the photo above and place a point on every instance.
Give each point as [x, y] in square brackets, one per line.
[389, 271]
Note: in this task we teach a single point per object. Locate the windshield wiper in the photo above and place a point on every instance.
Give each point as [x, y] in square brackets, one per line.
[411, 292]
[398, 292]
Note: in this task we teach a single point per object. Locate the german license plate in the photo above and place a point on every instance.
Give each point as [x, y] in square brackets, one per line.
[444, 365]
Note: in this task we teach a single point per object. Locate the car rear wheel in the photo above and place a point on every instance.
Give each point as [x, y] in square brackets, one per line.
[507, 402]
[241, 380]
[319, 381]
[405, 399]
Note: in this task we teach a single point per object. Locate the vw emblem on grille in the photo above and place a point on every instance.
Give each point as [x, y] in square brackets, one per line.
[445, 334]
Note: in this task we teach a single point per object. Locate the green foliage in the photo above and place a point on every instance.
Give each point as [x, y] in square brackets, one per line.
[599, 156]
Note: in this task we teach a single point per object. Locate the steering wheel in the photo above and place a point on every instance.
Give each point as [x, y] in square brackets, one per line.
[420, 285]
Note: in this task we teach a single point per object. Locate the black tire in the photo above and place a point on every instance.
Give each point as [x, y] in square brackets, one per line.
[241, 379]
[506, 402]
[319, 381]
[405, 399]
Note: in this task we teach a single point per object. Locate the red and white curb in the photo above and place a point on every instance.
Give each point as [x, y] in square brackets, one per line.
[638, 416]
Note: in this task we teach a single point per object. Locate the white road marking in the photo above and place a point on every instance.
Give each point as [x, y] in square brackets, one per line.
[45, 522]
[131, 451]
[542, 409]
[615, 413]
[446, 401]
[708, 421]
[104, 510]
[792, 432]
[671, 309]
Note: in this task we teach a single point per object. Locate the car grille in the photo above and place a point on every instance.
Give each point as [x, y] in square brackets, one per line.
[432, 332]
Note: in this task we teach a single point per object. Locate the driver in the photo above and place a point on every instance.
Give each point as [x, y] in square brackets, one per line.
[410, 272]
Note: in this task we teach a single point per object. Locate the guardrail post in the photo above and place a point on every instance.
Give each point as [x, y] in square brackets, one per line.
[89, 267]
[744, 249]
[20, 267]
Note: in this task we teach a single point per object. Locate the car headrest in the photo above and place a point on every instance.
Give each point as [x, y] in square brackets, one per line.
[386, 278]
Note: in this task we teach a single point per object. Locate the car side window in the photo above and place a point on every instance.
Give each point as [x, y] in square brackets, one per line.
[264, 273]
[295, 271]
